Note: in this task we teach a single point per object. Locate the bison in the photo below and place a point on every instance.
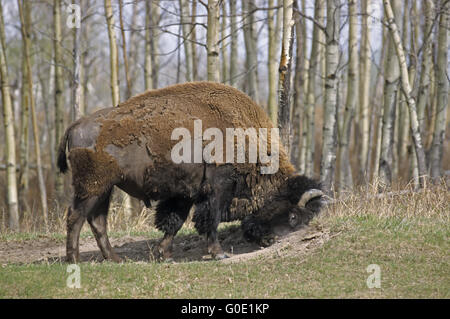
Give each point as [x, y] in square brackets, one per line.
[130, 146]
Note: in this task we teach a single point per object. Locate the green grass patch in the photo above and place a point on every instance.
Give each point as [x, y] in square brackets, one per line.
[412, 253]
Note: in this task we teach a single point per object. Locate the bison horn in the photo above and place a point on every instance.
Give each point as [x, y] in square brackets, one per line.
[308, 195]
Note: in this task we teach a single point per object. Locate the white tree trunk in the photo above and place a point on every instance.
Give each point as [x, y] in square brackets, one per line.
[212, 41]
[284, 84]
[328, 161]
[234, 43]
[10, 142]
[184, 12]
[113, 55]
[364, 89]
[442, 94]
[407, 91]
[345, 172]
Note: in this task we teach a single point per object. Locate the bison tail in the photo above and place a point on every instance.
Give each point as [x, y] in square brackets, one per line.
[62, 158]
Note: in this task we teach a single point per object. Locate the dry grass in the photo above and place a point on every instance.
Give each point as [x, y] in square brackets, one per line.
[433, 201]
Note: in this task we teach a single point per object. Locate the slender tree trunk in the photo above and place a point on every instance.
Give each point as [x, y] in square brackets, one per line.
[392, 78]
[345, 176]
[27, 49]
[59, 87]
[223, 47]
[305, 79]
[194, 39]
[364, 90]
[234, 43]
[251, 58]
[407, 91]
[148, 50]
[113, 58]
[328, 162]
[442, 94]
[274, 38]
[377, 113]
[403, 118]
[76, 86]
[425, 74]
[24, 127]
[284, 85]
[297, 111]
[319, 7]
[184, 12]
[155, 17]
[124, 51]
[10, 141]
[212, 40]
[134, 47]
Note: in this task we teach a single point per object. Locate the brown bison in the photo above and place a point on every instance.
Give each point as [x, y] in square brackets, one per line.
[131, 146]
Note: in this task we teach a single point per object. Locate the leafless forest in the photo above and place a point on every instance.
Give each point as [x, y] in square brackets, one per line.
[358, 88]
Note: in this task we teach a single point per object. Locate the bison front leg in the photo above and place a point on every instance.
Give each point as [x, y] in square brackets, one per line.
[206, 221]
[170, 216]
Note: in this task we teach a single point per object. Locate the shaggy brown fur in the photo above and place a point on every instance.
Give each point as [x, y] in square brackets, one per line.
[130, 146]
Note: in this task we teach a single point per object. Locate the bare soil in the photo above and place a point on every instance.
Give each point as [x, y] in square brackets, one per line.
[186, 248]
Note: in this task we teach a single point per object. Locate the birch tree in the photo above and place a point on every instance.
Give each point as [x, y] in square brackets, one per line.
[442, 94]
[113, 55]
[233, 44]
[407, 90]
[124, 52]
[304, 75]
[148, 48]
[251, 57]
[10, 142]
[273, 24]
[76, 85]
[392, 78]
[364, 89]
[223, 46]
[154, 42]
[425, 74]
[327, 165]
[319, 7]
[297, 96]
[59, 86]
[284, 85]
[345, 172]
[212, 41]
[184, 13]
[25, 120]
[193, 38]
[27, 49]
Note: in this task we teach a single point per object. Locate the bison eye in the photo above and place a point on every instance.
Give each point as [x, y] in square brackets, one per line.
[293, 219]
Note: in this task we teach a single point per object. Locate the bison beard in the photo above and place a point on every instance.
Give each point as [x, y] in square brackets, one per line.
[129, 147]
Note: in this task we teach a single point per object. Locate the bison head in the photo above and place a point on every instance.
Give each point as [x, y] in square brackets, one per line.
[297, 201]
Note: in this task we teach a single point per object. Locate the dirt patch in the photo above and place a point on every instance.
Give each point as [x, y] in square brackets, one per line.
[186, 248]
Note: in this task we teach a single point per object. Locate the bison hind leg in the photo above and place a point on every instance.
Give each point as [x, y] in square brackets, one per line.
[97, 219]
[170, 216]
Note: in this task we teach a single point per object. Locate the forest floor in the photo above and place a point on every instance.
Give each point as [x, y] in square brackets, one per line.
[406, 235]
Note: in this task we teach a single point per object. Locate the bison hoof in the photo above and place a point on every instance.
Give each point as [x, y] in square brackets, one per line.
[220, 256]
[159, 255]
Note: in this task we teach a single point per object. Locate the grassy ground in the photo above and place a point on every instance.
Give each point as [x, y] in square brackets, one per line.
[407, 236]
